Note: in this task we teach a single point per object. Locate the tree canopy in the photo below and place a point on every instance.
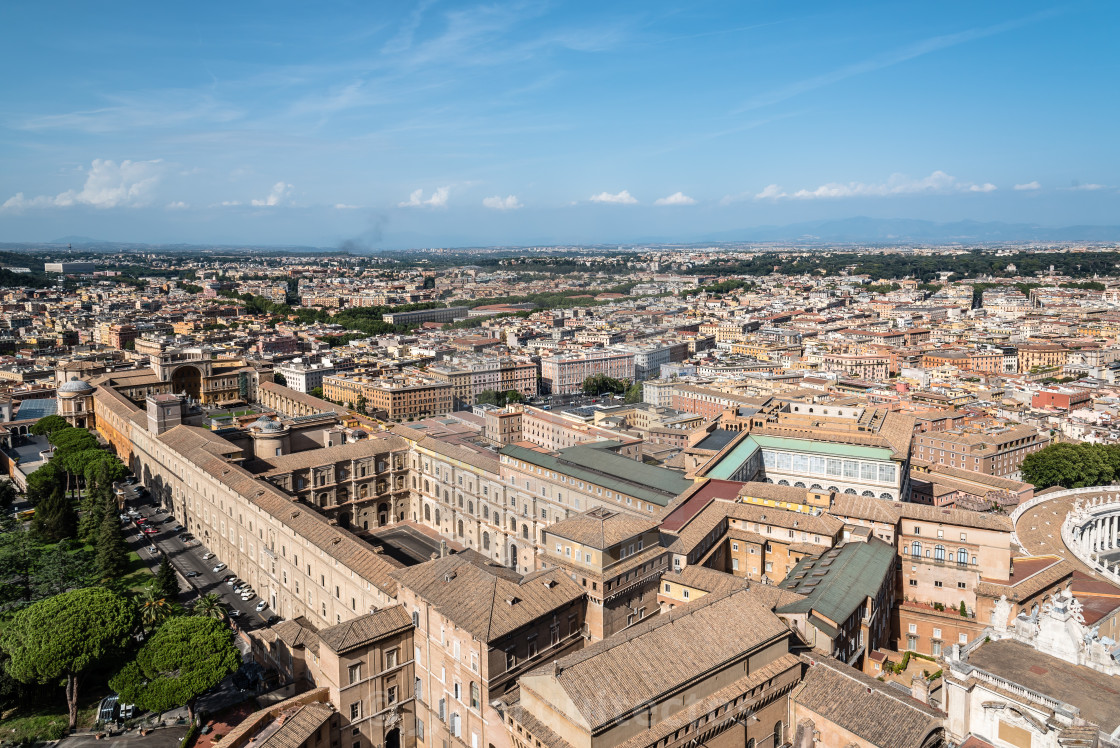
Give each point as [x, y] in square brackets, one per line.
[1072, 465]
[68, 636]
[48, 425]
[184, 659]
[599, 384]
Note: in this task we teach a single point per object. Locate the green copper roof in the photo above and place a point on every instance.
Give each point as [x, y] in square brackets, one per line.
[823, 447]
[598, 465]
[839, 581]
[733, 460]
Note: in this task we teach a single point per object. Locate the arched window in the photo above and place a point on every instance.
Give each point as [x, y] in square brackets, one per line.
[460, 501]
[460, 528]
[939, 553]
[485, 541]
[513, 523]
[437, 516]
[869, 494]
[850, 491]
[834, 489]
[799, 484]
[427, 513]
[816, 487]
[783, 482]
[778, 733]
[427, 488]
[525, 531]
[962, 556]
[485, 512]
[470, 507]
[886, 496]
[916, 549]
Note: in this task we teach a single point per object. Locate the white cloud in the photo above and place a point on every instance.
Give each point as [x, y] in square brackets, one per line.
[344, 206]
[510, 202]
[771, 190]
[177, 205]
[1089, 187]
[230, 203]
[108, 185]
[677, 198]
[437, 200]
[622, 198]
[937, 183]
[1029, 186]
[280, 192]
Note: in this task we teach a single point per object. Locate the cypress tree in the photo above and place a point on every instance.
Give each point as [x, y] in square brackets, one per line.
[112, 551]
[166, 584]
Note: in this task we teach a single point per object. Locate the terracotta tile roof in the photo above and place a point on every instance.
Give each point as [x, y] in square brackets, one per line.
[601, 528]
[958, 517]
[865, 707]
[487, 599]
[288, 463]
[611, 677]
[362, 630]
[299, 727]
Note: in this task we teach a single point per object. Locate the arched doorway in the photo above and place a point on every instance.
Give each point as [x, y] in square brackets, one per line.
[382, 514]
[513, 556]
[393, 738]
[187, 379]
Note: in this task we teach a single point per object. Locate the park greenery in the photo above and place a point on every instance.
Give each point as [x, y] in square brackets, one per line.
[1072, 465]
[183, 659]
[500, 399]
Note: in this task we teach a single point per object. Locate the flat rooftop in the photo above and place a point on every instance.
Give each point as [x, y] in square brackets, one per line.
[1097, 695]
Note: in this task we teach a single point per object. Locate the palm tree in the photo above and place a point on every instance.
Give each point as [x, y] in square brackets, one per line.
[154, 608]
[209, 606]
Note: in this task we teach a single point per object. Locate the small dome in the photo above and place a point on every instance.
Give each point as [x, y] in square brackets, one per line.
[76, 387]
[264, 423]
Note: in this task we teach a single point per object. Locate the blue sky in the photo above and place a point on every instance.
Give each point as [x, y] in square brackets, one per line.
[436, 123]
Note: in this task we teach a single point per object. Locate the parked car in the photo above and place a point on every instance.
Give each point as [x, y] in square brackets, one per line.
[150, 531]
[234, 613]
[207, 556]
[178, 528]
[232, 580]
[141, 520]
[261, 606]
[247, 596]
[192, 573]
[272, 620]
[218, 568]
[153, 550]
[125, 517]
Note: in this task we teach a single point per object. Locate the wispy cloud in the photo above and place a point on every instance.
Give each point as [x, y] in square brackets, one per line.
[177, 205]
[438, 199]
[899, 184]
[345, 206]
[887, 59]
[279, 194]
[1029, 186]
[510, 202]
[1088, 187]
[677, 198]
[108, 185]
[620, 198]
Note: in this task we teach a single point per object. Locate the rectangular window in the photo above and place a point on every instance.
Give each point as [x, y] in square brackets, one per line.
[913, 628]
[476, 696]
[391, 695]
[355, 672]
[390, 659]
[355, 711]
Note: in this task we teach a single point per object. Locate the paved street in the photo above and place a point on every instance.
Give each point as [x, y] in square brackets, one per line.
[186, 557]
[167, 737]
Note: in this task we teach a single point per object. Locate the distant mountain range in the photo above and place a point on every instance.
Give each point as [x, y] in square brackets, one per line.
[857, 230]
[896, 230]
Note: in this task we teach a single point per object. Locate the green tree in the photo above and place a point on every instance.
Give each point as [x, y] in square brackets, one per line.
[599, 384]
[21, 557]
[47, 426]
[1072, 465]
[317, 392]
[279, 379]
[66, 566]
[209, 606]
[67, 637]
[165, 583]
[55, 518]
[8, 493]
[43, 482]
[187, 657]
[153, 608]
[361, 404]
[634, 393]
[111, 559]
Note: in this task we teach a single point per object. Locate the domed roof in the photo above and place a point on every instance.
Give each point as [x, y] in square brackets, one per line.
[76, 387]
[264, 423]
